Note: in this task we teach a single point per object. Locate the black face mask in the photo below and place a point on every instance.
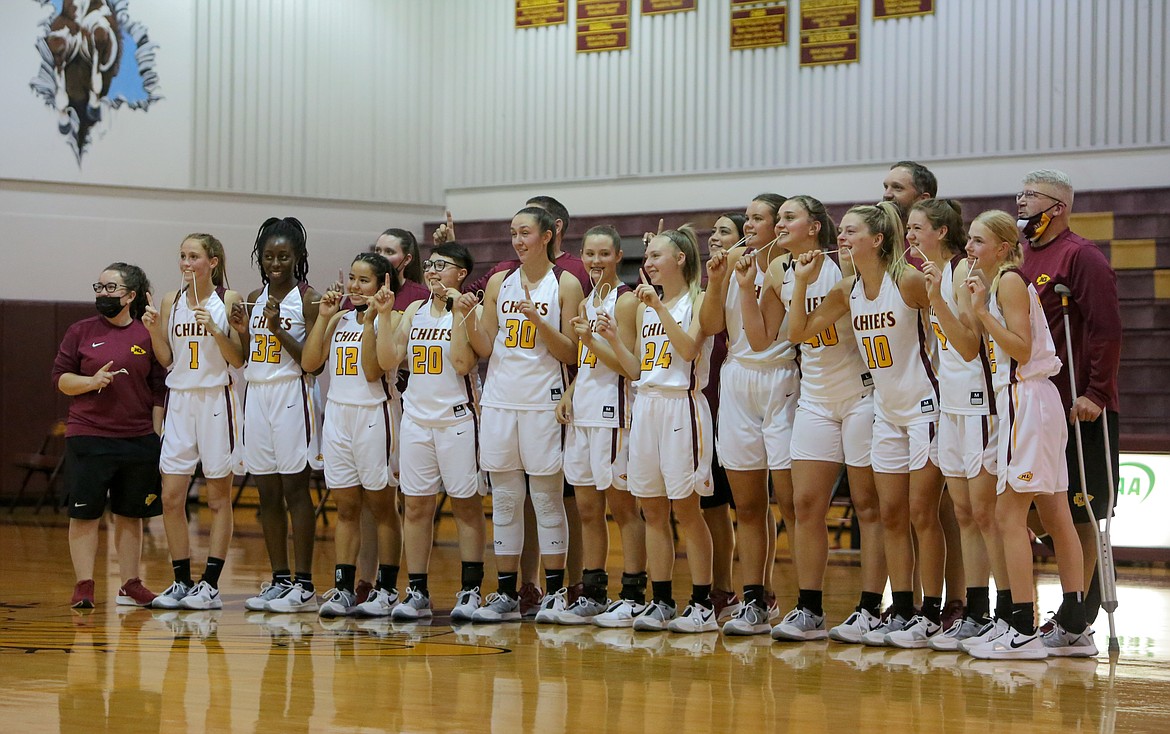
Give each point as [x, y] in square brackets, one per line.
[108, 306]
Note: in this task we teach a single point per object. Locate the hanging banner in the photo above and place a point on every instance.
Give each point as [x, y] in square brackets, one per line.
[828, 31]
[658, 7]
[603, 25]
[888, 9]
[540, 13]
[759, 27]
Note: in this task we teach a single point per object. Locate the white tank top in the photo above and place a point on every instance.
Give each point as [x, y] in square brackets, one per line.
[522, 374]
[347, 381]
[895, 346]
[831, 370]
[661, 368]
[738, 348]
[601, 397]
[436, 395]
[196, 358]
[964, 387]
[267, 359]
[1043, 362]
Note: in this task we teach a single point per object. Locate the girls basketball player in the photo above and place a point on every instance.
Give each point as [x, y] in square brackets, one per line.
[280, 435]
[358, 435]
[191, 336]
[527, 330]
[1032, 437]
[596, 457]
[758, 392]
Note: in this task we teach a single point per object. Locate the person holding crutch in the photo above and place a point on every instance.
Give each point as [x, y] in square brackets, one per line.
[1055, 256]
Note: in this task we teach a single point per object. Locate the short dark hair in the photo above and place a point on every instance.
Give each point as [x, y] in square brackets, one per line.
[456, 252]
[924, 180]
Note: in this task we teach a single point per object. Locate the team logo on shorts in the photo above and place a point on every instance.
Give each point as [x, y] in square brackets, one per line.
[622, 477]
[607, 411]
[1025, 477]
[150, 498]
[1043, 278]
[1079, 499]
[137, 350]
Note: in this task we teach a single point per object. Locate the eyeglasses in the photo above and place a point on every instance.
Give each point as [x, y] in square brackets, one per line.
[437, 265]
[106, 287]
[1029, 195]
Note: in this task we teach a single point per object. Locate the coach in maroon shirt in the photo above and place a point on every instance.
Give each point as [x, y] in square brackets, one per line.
[1053, 256]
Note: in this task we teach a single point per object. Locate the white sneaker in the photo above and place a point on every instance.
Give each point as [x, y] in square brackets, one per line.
[296, 599]
[498, 608]
[962, 629]
[619, 614]
[751, 619]
[1061, 643]
[915, 634]
[466, 602]
[202, 596]
[854, 628]
[582, 611]
[695, 618]
[877, 636]
[800, 625]
[1012, 645]
[338, 603]
[268, 592]
[170, 598]
[990, 631]
[552, 605]
[415, 606]
[655, 617]
[380, 603]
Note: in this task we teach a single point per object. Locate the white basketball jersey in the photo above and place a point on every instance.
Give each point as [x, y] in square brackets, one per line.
[895, 347]
[831, 370]
[267, 359]
[601, 397]
[1043, 362]
[738, 348]
[347, 381]
[196, 359]
[436, 395]
[522, 374]
[661, 368]
[964, 387]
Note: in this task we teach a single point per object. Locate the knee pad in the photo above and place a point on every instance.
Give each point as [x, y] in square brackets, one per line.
[548, 502]
[507, 497]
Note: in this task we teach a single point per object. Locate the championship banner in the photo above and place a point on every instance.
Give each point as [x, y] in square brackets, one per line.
[759, 27]
[603, 25]
[540, 13]
[888, 9]
[828, 31]
[659, 7]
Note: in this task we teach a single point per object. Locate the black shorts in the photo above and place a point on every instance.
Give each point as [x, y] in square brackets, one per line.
[1093, 445]
[722, 494]
[123, 469]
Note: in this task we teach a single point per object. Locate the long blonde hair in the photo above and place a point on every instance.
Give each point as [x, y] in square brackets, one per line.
[884, 218]
[686, 241]
[214, 248]
[1003, 227]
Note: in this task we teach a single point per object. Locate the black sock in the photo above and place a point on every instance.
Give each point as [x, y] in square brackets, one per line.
[305, 580]
[387, 578]
[663, 591]
[596, 582]
[282, 577]
[1003, 604]
[343, 576]
[701, 595]
[212, 571]
[871, 601]
[506, 584]
[754, 594]
[472, 575]
[932, 608]
[1024, 617]
[903, 604]
[811, 599]
[182, 569]
[418, 582]
[978, 602]
[1071, 614]
[554, 580]
[634, 587]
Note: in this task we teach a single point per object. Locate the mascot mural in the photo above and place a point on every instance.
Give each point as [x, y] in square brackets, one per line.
[94, 59]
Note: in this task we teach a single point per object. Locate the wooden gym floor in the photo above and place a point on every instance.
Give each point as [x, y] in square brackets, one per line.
[130, 670]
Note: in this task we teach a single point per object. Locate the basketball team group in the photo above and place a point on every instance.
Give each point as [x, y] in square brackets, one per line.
[918, 360]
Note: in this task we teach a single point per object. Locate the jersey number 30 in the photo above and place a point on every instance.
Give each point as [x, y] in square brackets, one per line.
[521, 333]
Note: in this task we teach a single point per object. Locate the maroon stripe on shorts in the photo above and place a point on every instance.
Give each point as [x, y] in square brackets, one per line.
[986, 429]
[1011, 426]
[694, 432]
[613, 445]
[389, 431]
[231, 418]
[987, 385]
[305, 409]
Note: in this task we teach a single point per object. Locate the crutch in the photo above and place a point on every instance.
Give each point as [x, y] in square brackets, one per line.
[1105, 570]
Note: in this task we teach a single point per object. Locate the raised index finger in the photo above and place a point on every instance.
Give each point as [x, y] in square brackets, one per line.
[661, 222]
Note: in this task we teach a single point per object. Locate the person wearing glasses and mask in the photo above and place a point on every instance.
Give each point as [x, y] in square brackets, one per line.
[106, 364]
[1055, 255]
